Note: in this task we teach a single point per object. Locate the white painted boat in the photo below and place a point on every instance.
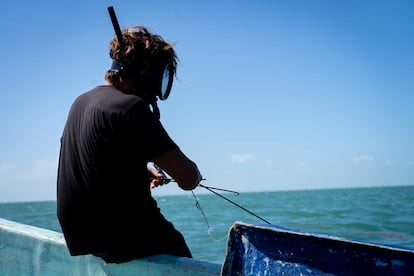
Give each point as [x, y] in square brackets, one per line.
[29, 250]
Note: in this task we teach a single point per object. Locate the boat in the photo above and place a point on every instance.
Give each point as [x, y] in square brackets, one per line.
[273, 250]
[29, 250]
[251, 250]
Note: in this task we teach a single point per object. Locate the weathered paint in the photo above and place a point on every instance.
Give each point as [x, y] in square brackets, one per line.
[271, 250]
[29, 250]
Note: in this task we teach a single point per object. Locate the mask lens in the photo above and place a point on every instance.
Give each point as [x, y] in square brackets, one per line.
[166, 83]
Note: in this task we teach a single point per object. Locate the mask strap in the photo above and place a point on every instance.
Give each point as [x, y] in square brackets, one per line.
[116, 66]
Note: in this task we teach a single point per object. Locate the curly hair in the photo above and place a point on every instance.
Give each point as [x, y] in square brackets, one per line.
[140, 48]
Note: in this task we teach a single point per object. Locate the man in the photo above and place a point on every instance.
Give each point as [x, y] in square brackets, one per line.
[104, 202]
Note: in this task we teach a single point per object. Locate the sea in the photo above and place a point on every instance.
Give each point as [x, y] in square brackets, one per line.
[382, 215]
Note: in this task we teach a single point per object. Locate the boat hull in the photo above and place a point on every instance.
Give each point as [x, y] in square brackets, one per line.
[264, 250]
[29, 250]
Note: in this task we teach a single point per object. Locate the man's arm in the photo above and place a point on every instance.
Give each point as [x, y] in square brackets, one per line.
[179, 167]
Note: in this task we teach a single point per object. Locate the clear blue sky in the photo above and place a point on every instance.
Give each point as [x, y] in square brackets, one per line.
[272, 95]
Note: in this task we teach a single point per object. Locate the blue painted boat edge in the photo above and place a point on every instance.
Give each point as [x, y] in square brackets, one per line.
[302, 233]
[30, 250]
[274, 250]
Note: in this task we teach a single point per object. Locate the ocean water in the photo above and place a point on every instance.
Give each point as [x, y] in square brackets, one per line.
[379, 215]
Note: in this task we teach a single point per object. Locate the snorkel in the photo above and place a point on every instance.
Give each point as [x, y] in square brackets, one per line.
[159, 83]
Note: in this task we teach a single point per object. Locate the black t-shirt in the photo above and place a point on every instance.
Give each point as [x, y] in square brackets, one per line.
[104, 203]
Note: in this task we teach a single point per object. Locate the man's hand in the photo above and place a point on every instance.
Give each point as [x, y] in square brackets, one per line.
[158, 179]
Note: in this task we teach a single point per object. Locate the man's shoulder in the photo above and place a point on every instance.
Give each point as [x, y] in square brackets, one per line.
[108, 97]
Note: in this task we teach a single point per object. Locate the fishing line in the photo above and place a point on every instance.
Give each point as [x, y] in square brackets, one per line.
[219, 189]
[210, 189]
[234, 203]
[209, 230]
[197, 204]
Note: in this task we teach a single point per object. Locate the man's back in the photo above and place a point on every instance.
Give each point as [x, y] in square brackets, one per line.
[102, 179]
